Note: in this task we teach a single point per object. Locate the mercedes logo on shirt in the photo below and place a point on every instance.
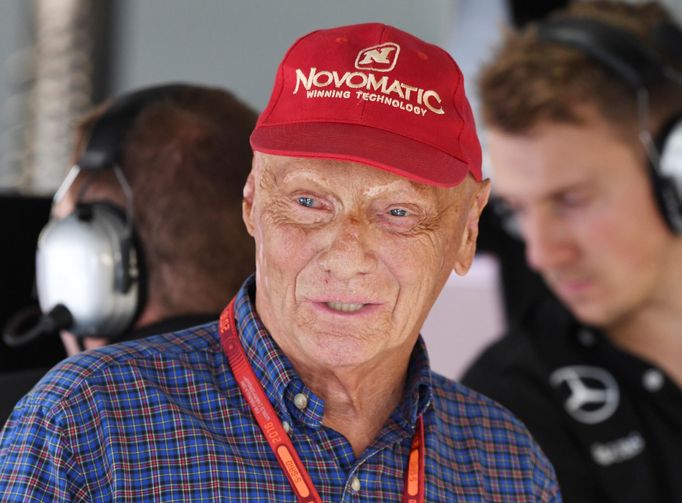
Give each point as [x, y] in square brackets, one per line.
[593, 393]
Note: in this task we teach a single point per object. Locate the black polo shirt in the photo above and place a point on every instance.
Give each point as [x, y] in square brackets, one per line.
[611, 423]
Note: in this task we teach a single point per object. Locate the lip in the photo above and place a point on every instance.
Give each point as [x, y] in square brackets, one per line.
[573, 288]
[368, 308]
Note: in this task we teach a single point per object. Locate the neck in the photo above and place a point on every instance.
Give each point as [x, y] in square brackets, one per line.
[654, 332]
[655, 336]
[358, 400]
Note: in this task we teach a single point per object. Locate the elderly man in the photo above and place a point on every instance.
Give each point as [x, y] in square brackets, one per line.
[314, 386]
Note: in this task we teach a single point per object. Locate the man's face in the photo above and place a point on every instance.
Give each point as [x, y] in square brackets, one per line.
[350, 258]
[586, 211]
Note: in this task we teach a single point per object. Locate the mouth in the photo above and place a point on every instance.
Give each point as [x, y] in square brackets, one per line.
[343, 307]
[573, 287]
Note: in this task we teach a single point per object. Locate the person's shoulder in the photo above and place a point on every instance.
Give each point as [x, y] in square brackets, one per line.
[494, 436]
[515, 348]
[512, 371]
[463, 407]
[523, 349]
[512, 356]
[468, 415]
[79, 374]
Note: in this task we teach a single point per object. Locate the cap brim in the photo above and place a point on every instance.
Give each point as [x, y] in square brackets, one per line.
[366, 145]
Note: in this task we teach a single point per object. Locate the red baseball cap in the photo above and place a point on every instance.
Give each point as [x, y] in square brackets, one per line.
[376, 95]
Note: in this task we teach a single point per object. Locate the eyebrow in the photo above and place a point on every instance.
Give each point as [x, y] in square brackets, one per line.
[553, 195]
[418, 188]
[268, 177]
[282, 170]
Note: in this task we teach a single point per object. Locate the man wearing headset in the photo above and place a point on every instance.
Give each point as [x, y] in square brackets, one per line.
[158, 169]
[584, 126]
[314, 384]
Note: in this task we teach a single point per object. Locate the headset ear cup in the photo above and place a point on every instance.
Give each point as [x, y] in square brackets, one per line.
[667, 176]
[95, 266]
[78, 262]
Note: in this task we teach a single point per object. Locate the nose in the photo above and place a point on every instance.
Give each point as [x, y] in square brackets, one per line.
[548, 242]
[348, 252]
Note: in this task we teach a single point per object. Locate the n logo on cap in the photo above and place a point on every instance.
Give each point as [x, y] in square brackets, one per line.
[380, 58]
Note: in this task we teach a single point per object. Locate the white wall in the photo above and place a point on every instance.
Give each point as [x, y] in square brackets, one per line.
[239, 43]
[468, 315]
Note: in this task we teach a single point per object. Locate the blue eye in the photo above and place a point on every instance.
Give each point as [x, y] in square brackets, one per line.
[398, 212]
[306, 201]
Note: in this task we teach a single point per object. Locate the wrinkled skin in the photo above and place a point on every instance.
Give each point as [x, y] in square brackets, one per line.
[350, 258]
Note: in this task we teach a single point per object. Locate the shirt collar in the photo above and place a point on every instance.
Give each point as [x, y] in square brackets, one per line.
[281, 383]
[418, 389]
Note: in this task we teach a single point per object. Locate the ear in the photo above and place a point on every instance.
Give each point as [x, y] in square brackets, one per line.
[247, 201]
[467, 248]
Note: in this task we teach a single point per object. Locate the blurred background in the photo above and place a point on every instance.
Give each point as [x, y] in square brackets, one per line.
[58, 57]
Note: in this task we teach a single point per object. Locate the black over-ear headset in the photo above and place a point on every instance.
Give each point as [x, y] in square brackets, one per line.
[89, 266]
[640, 67]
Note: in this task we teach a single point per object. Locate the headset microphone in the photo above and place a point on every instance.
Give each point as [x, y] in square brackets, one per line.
[58, 318]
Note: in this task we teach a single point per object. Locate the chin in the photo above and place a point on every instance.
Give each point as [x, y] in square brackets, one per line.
[340, 350]
[596, 315]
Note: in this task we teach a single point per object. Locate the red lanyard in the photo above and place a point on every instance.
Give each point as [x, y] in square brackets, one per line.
[279, 441]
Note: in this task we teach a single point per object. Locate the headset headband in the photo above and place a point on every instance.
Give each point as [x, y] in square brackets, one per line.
[639, 65]
[615, 48]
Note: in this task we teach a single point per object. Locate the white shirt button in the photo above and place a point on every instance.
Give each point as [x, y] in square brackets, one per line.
[301, 401]
[286, 426]
[355, 484]
[652, 380]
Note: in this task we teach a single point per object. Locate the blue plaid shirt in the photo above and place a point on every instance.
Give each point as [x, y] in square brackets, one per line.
[162, 419]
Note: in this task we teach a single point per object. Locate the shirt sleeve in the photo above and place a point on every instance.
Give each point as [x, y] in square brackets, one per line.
[36, 464]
